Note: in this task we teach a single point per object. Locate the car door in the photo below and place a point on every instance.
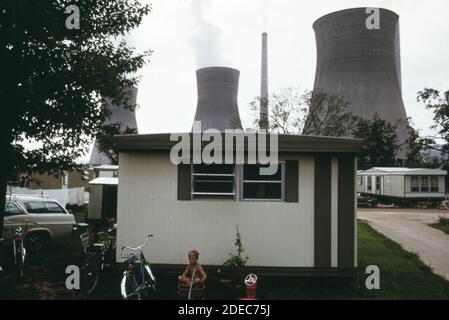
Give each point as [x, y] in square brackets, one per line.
[14, 217]
[49, 215]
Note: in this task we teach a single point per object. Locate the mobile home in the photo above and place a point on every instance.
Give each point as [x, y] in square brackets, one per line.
[412, 184]
[302, 218]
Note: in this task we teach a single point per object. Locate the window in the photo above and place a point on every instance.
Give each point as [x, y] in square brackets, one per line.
[424, 184]
[369, 183]
[11, 209]
[360, 180]
[415, 184]
[262, 187]
[213, 181]
[377, 183]
[43, 207]
[434, 184]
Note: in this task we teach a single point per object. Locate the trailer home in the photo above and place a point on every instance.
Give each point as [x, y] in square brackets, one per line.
[403, 183]
[302, 218]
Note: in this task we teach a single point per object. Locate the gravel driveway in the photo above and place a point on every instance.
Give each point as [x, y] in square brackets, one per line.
[409, 227]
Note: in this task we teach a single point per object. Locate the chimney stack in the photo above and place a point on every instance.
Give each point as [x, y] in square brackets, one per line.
[263, 120]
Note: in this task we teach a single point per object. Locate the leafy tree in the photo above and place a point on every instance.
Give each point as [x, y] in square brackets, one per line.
[105, 139]
[53, 79]
[380, 142]
[311, 113]
[439, 105]
[417, 147]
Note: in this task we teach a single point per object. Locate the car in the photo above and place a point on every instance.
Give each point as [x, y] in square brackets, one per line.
[42, 220]
[366, 201]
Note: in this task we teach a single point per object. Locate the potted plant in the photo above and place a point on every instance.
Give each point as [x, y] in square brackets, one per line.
[235, 265]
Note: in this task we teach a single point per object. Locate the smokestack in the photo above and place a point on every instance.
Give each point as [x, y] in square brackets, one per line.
[263, 120]
[217, 98]
[362, 65]
[125, 117]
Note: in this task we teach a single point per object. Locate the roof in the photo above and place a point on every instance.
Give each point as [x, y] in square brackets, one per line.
[404, 171]
[36, 198]
[105, 181]
[106, 167]
[286, 143]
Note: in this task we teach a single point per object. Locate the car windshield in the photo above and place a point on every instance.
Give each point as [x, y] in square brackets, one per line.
[43, 207]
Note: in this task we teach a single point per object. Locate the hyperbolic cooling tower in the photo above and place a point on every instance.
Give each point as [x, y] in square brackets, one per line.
[119, 114]
[263, 120]
[362, 65]
[217, 98]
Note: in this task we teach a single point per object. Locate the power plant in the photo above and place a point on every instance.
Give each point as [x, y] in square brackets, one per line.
[217, 98]
[362, 65]
[125, 117]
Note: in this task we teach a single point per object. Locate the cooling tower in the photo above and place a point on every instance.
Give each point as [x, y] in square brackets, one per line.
[362, 65]
[125, 117]
[217, 98]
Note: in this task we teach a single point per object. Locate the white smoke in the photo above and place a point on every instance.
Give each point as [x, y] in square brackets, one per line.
[205, 38]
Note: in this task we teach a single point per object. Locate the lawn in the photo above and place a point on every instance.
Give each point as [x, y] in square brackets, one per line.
[402, 276]
[442, 224]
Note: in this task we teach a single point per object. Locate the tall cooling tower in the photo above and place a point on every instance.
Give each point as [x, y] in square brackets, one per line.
[125, 117]
[362, 65]
[217, 98]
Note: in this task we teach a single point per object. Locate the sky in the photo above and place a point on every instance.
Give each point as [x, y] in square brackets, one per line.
[189, 34]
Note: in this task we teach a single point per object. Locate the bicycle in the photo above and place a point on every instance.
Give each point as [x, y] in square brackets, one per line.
[19, 248]
[137, 284]
[98, 256]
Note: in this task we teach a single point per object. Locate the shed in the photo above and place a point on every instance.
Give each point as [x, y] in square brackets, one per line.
[103, 198]
[301, 219]
[403, 183]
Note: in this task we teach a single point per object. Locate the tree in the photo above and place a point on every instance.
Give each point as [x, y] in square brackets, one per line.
[380, 142]
[417, 146]
[439, 105]
[105, 139]
[53, 79]
[310, 113]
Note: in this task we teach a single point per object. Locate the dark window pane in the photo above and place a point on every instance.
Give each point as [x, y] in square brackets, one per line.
[252, 172]
[262, 191]
[43, 207]
[11, 209]
[213, 168]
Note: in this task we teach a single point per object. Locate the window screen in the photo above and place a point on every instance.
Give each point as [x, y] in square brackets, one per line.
[415, 184]
[434, 184]
[424, 184]
[213, 181]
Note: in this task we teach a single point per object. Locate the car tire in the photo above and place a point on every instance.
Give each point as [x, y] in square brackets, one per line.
[36, 241]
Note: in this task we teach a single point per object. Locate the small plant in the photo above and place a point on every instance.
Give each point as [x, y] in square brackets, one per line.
[236, 260]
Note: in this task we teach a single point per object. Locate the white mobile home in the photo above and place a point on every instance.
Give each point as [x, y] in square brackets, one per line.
[303, 218]
[403, 183]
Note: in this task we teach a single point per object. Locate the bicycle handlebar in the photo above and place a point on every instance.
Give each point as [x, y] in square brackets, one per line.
[139, 247]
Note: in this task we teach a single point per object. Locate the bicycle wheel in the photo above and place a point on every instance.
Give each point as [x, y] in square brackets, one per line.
[129, 287]
[90, 273]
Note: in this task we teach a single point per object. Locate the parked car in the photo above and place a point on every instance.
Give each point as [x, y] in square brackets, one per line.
[42, 219]
[365, 201]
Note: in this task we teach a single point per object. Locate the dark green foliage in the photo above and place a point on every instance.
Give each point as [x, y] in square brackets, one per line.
[236, 260]
[105, 139]
[53, 79]
[380, 142]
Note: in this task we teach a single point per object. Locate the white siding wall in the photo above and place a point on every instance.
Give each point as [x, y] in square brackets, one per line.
[273, 233]
[393, 186]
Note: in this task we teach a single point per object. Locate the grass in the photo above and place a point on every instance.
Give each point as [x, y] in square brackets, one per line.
[442, 224]
[402, 276]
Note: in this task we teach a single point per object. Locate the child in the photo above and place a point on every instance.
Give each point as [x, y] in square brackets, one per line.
[200, 276]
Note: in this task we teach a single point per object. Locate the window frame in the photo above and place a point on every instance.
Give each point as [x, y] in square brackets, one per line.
[212, 195]
[282, 182]
[418, 185]
[422, 187]
[434, 178]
